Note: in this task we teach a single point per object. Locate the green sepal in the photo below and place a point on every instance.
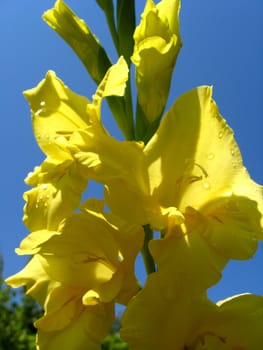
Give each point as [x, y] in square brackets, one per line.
[144, 128]
[126, 27]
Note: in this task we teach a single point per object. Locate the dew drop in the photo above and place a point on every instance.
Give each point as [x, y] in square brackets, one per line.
[220, 134]
[211, 156]
[229, 194]
[38, 112]
[42, 103]
[41, 112]
[120, 257]
[36, 205]
[232, 152]
[206, 185]
[44, 186]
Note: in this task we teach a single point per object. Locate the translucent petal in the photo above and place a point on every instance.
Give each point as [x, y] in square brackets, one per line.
[183, 158]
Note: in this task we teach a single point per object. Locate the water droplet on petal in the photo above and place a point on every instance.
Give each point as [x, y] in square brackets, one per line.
[229, 194]
[220, 134]
[41, 112]
[44, 186]
[42, 103]
[206, 185]
[211, 156]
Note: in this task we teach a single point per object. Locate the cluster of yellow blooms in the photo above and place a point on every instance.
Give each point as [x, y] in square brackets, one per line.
[180, 174]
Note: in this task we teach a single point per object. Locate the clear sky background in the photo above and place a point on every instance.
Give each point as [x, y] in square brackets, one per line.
[222, 46]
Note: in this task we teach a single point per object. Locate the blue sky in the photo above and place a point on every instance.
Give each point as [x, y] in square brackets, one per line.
[222, 46]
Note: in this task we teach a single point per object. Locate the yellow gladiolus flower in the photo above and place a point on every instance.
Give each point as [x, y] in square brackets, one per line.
[190, 183]
[67, 321]
[57, 112]
[157, 44]
[78, 273]
[178, 169]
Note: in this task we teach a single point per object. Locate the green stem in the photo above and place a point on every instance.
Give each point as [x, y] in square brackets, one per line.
[108, 8]
[129, 109]
[147, 257]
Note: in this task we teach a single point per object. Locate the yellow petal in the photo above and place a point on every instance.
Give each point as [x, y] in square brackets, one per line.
[183, 158]
[87, 329]
[152, 322]
[232, 226]
[113, 84]
[56, 111]
[62, 305]
[32, 243]
[36, 280]
[79, 257]
[169, 9]
[170, 154]
[238, 325]
[114, 81]
[45, 205]
[178, 259]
